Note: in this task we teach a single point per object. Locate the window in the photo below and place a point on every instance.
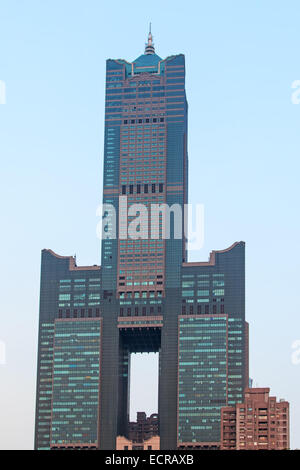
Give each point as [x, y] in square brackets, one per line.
[218, 292]
[64, 296]
[188, 293]
[203, 293]
[188, 284]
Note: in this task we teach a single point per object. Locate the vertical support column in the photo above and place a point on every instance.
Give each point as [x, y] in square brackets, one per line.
[109, 376]
[124, 389]
[168, 380]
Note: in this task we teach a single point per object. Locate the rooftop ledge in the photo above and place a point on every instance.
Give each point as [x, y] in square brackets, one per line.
[72, 262]
[212, 256]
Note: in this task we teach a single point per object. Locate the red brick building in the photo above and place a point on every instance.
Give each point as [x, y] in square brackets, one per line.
[142, 434]
[259, 423]
[144, 427]
[153, 443]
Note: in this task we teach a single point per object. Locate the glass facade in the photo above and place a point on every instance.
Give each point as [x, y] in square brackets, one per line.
[202, 378]
[145, 134]
[44, 390]
[76, 377]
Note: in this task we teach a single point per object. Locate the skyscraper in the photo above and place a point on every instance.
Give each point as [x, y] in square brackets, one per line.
[146, 296]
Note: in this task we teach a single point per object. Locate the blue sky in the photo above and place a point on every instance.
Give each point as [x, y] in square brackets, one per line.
[244, 142]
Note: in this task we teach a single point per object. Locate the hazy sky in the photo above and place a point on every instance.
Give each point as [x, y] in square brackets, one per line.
[244, 148]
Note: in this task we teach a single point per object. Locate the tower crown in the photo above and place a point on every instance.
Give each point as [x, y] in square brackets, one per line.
[149, 46]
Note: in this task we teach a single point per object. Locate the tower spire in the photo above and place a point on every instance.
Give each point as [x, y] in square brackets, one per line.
[149, 46]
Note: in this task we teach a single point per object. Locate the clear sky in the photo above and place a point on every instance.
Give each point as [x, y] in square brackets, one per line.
[244, 148]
